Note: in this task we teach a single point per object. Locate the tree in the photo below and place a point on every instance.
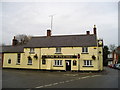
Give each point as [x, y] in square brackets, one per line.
[112, 47]
[105, 55]
[22, 38]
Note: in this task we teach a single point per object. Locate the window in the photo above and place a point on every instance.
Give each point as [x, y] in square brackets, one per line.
[58, 50]
[18, 58]
[29, 61]
[58, 62]
[87, 62]
[74, 62]
[32, 51]
[9, 61]
[85, 49]
[43, 61]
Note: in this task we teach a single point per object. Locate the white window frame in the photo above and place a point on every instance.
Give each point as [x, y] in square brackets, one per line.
[58, 63]
[58, 50]
[87, 62]
[84, 49]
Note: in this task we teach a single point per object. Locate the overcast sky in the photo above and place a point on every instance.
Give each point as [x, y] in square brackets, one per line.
[70, 18]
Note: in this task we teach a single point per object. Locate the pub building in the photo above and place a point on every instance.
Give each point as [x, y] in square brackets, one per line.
[82, 52]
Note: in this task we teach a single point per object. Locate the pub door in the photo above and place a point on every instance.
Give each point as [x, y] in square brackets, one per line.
[68, 65]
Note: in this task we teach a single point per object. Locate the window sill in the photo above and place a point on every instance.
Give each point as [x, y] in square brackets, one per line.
[31, 52]
[84, 53]
[87, 66]
[58, 53]
[57, 66]
[29, 64]
[17, 63]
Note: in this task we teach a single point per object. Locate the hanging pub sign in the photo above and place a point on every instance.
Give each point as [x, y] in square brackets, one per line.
[59, 56]
[78, 56]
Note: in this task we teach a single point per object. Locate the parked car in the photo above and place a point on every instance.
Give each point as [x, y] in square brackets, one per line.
[115, 66]
[111, 65]
[118, 66]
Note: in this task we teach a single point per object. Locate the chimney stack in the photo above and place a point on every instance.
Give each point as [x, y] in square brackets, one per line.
[14, 41]
[88, 32]
[94, 29]
[48, 32]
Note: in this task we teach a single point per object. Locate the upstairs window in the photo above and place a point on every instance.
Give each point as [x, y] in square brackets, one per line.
[84, 49]
[58, 50]
[32, 51]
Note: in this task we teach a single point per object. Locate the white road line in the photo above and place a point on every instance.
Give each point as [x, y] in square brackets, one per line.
[62, 82]
[85, 77]
[54, 83]
[95, 75]
[48, 85]
[39, 87]
[66, 81]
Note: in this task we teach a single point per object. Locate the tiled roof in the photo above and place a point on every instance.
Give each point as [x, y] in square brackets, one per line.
[63, 41]
[11, 49]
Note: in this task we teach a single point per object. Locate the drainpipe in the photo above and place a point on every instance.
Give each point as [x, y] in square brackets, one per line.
[40, 59]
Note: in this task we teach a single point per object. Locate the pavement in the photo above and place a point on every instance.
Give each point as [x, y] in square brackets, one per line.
[12, 78]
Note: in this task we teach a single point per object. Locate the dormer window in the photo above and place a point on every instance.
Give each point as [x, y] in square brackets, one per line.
[32, 51]
[58, 50]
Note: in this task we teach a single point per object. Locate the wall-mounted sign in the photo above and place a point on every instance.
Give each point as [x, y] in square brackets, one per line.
[59, 56]
[100, 43]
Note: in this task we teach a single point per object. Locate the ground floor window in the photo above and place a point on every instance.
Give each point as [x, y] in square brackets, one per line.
[29, 61]
[74, 62]
[87, 62]
[43, 61]
[58, 62]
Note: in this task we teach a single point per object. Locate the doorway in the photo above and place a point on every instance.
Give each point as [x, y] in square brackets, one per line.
[68, 65]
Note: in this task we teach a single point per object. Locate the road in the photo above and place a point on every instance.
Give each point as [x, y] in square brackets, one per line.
[12, 78]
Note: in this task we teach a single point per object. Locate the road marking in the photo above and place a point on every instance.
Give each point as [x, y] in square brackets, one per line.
[95, 75]
[54, 83]
[85, 77]
[40, 87]
[61, 82]
[48, 85]
[66, 81]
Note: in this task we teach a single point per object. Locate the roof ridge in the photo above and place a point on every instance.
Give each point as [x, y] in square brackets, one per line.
[63, 35]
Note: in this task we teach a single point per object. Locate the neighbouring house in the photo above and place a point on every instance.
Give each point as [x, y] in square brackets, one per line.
[82, 52]
[116, 55]
[110, 58]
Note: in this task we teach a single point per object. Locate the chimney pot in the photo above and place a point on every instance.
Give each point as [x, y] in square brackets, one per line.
[14, 41]
[48, 32]
[94, 29]
[88, 32]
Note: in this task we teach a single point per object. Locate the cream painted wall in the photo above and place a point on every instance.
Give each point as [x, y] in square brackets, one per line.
[37, 64]
[72, 51]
